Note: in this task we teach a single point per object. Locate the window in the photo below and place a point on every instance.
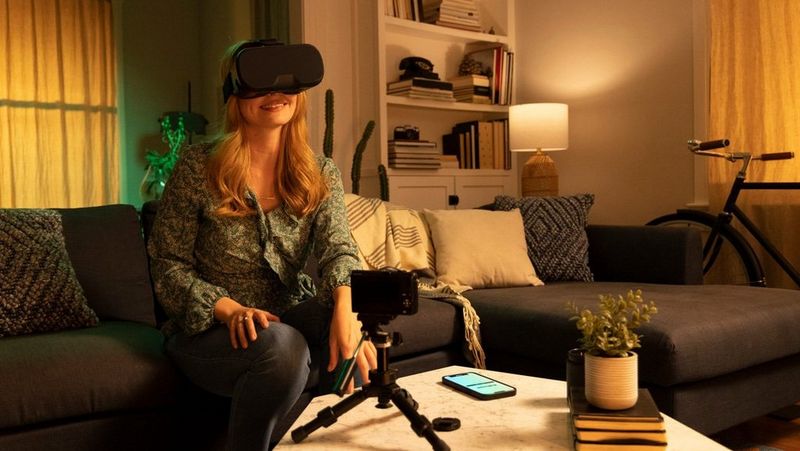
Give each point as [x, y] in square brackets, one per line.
[58, 117]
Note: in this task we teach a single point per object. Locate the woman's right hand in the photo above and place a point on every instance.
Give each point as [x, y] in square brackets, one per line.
[241, 321]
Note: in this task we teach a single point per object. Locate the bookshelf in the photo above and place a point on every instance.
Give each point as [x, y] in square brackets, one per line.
[394, 39]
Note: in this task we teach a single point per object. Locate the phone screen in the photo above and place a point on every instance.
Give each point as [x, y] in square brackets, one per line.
[479, 384]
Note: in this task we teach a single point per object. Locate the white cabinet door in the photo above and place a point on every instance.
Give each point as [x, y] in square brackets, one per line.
[430, 192]
[474, 191]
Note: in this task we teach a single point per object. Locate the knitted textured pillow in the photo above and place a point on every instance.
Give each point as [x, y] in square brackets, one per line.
[555, 230]
[38, 288]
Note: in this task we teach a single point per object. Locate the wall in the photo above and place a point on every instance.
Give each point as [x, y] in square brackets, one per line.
[625, 69]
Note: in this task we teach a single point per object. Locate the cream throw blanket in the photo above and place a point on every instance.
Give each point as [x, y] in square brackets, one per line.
[388, 235]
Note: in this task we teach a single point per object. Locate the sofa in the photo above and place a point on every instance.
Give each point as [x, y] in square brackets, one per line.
[713, 357]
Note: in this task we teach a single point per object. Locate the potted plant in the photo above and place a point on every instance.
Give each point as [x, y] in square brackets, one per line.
[608, 340]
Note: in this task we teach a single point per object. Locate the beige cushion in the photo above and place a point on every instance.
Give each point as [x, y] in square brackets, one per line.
[480, 248]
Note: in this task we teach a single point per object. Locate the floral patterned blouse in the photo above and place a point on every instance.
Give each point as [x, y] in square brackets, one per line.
[197, 257]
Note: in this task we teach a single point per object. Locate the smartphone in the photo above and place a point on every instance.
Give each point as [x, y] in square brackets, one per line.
[346, 371]
[479, 386]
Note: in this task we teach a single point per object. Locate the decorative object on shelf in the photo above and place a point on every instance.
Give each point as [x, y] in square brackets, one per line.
[407, 132]
[417, 67]
[327, 145]
[608, 339]
[539, 127]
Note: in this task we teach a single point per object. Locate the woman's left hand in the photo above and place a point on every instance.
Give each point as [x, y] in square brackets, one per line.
[345, 335]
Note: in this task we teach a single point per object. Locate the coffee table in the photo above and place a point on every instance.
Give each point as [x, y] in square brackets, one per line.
[534, 419]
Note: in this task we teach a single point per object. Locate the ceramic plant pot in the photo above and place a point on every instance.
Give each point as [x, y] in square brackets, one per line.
[612, 382]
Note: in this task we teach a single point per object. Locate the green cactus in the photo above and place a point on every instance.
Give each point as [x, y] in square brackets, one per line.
[355, 173]
[327, 144]
[384, 181]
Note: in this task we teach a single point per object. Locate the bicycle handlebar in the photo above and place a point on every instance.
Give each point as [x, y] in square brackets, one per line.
[708, 145]
[704, 148]
[775, 156]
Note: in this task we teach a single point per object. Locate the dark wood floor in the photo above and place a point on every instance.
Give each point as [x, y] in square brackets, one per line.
[780, 430]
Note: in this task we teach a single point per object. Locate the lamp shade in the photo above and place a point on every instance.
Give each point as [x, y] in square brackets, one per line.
[538, 126]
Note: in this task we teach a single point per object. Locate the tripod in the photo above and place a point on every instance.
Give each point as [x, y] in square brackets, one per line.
[381, 385]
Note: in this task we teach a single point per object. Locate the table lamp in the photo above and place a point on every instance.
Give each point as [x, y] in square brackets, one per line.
[540, 128]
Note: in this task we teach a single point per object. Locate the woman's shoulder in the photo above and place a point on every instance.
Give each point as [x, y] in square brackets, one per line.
[326, 165]
[197, 152]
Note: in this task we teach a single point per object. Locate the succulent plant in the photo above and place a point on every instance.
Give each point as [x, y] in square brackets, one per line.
[610, 331]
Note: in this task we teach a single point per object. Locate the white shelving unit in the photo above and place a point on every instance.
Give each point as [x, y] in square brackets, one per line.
[394, 39]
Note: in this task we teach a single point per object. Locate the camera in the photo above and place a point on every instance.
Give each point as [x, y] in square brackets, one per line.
[406, 132]
[384, 293]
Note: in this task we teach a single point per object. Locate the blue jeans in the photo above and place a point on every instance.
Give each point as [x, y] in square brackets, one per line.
[264, 380]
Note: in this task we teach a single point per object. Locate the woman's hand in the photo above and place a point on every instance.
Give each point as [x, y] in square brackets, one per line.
[241, 321]
[345, 335]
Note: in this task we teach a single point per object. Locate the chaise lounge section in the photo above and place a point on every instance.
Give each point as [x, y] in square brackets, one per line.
[714, 356]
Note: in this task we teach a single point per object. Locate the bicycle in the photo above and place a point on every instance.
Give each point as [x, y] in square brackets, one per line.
[721, 241]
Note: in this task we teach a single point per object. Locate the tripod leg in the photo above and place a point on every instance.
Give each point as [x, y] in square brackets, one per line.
[328, 415]
[419, 424]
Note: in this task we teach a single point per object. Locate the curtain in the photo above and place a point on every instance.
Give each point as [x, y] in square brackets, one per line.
[755, 101]
[58, 116]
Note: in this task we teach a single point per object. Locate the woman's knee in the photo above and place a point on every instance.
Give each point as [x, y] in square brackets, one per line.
[283, 351]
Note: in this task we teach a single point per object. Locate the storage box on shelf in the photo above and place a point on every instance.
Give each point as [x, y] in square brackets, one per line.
[397, 38]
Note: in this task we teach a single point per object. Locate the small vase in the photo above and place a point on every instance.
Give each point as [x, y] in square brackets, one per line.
[153, 182]
[612, 383]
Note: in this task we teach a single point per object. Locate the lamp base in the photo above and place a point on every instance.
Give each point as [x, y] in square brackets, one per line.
[539, 176]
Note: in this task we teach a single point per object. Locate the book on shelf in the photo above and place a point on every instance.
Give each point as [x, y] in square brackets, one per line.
[469, 81]
[423, 93]
[420, 82]
[462, 14]
[411, 143]
[479, 144]
[640, 427]
[449, 161]
[593, 446]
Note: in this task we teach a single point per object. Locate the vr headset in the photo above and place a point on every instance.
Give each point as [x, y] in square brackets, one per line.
[265, 66]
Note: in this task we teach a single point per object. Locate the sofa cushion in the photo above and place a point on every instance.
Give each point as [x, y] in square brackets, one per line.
[555, 230]
[479, 248]
[700, 331]
[107, 251]
[116, 366]
[38, 288]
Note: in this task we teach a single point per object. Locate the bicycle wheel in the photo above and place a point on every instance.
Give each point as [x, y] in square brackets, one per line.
[731, 259]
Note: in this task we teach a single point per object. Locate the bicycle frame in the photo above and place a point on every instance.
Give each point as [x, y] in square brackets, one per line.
[731, 210]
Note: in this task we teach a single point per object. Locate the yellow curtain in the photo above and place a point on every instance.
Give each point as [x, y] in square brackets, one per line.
[755, 101]
[58, 115]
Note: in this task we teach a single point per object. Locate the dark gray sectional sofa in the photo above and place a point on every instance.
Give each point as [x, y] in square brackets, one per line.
[714, 356]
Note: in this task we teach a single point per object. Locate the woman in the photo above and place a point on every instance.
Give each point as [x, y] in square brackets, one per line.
[236, 223]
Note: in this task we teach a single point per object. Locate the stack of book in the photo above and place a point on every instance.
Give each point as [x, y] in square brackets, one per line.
[422, 88]
[479, 144]
[498, 61]
[462, 14]
[472, 88]
[640, 428]
[414, 154]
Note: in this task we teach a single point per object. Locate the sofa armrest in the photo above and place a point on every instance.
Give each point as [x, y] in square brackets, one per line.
[646, 254]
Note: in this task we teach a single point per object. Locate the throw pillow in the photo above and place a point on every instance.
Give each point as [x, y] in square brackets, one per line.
[38, 288]
[480, 248]
[555, 229]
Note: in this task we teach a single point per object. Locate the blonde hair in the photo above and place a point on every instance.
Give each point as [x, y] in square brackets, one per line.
[299, 180]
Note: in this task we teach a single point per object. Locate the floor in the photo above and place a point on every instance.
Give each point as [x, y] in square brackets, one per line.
[778, 431]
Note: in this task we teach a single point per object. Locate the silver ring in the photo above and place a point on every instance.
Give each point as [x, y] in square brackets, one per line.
[245, 318]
